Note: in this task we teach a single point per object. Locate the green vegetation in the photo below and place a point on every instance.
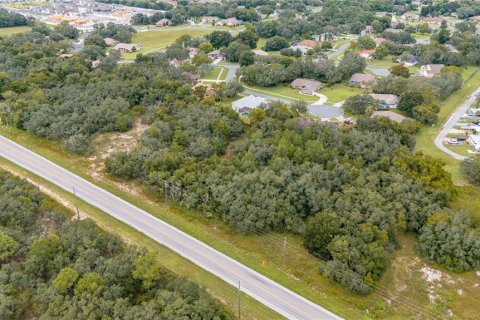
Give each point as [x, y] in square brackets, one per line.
[340, 92]
[158, 39]
[427, 134]
[217, 74]
[14, 30]
[80, 271]
[283, 92]
[251, 309]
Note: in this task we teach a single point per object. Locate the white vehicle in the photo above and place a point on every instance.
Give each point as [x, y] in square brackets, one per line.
[453, 141]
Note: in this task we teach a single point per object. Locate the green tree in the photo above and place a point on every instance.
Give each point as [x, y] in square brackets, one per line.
[320, 231]
[366, 43]
[220, 39]
[246, 58]
[276, 43]
[89, 283]
[65, 280]
[471, 170]
[400, 71]
[359, 104]
[8, 246]
[148, 270]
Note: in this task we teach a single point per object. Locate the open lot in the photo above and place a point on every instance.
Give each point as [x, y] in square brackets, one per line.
[157, 39]
[217, 74]
[284, 92]
[13, 30]
[340, 92]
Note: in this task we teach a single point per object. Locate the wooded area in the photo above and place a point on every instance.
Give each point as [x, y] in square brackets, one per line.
[53, 267]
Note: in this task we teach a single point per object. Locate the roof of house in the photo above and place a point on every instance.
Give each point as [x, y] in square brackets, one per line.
[380, 41]
[307, 85]
[367, 52]
[391, 30]
[308, 43]
[361, 77]
[475, 139]
[258, 52]
[389, 114]
[432, 68]
[390, 99]
[110, 41]
[250, 102]
[127, 46]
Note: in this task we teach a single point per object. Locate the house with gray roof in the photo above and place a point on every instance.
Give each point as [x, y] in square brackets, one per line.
[431, 70]
[389, 114]
[248, 103]
[306, 86]
[386, 101]
[362, 80]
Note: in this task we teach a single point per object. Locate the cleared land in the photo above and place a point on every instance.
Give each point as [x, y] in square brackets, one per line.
[340, 92]
[217, 74]
[283, 92]
[14, 30]
[158, 39]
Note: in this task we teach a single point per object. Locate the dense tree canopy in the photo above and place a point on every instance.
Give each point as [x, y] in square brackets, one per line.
[52, 267]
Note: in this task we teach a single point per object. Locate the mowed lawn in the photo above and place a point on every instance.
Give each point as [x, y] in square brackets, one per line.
[158, 39]
[340, 92]
[14, 30]
[283, 92]
[217, 73]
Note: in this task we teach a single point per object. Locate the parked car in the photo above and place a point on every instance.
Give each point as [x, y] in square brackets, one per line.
[477, 123]
[348, 121]
[461, 139]
[453, 141]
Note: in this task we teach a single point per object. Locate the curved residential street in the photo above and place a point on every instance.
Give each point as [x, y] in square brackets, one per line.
[448, 126]
[259, 287]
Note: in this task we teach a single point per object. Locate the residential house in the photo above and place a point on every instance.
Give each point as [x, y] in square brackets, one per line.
[95, 63]
[110, 42]
[474, 140]
[303, 50]
[195, 78]
[391, 30]
[210, 20]
[367, 54]
[260, 53]
[248, 103]
[362, 80]
[216, 54]
[434, 20]
[127, 47]
[381, 14]
[307, 86]
[475, 19]
[388, 114]
[192, 52]
[209, 89]
[163, 23]
[386, 101]
[380, 41]
[230, 22]
[175, 63]
[410, 16]
[431, 70]
[409, 60]
[309, 44]
[367, 30]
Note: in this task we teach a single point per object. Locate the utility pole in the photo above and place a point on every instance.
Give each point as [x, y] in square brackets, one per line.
[238, 297]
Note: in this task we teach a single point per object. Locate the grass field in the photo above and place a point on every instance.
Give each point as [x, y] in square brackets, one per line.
[384, 63]
[284, 92]
[13, 30]
[158, 39]
[340, 92]
[217, 74]
[427, 135]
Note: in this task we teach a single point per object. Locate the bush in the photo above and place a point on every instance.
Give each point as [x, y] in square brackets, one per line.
[471, 170]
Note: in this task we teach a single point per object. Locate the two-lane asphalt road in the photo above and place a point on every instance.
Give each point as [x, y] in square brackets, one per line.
[447, 127]
[273, 295]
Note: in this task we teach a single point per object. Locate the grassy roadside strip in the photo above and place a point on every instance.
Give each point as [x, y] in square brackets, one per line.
[298, 273]
[427, 135]
[251, 309]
